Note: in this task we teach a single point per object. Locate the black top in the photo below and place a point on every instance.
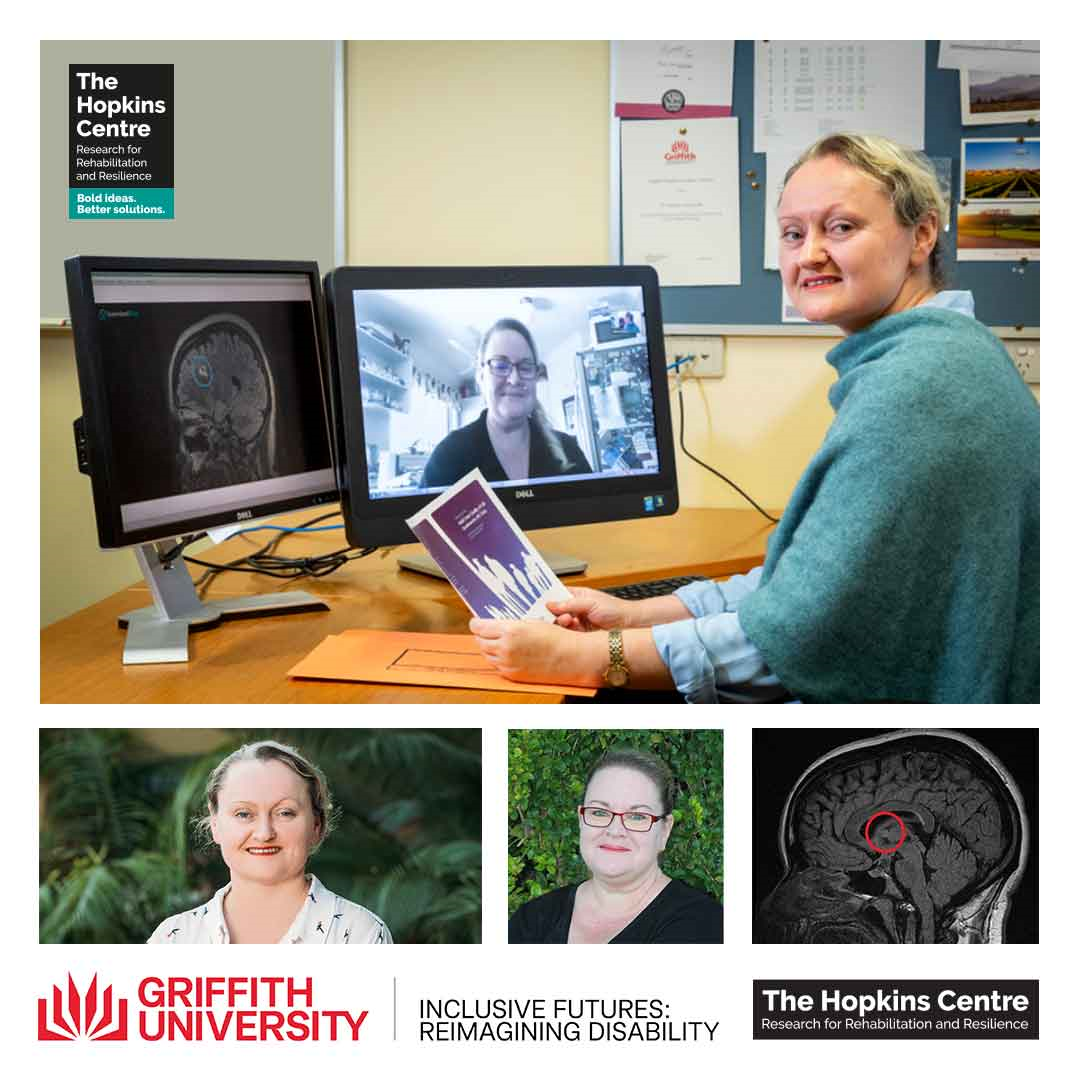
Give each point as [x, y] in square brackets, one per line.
[679, 915]
[470, 448]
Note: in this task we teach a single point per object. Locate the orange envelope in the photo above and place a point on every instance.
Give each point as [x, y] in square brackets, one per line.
[391, 656]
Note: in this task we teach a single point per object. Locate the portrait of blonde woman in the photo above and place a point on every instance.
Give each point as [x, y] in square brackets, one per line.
[905, 567]
[255, 834]
[267, 810]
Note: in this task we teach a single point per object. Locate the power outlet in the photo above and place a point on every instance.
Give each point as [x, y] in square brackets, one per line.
[1025, 355]
[705, 356]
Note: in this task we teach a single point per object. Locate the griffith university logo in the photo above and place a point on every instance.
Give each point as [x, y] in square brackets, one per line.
[82, 1016]
[177, 1008]
[680, 151]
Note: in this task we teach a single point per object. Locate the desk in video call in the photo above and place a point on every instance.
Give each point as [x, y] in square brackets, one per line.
[246, 660]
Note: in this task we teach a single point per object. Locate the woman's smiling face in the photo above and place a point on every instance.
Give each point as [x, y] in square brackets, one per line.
[510, 398]
[264, 822]
[614, 852]
[845, 258]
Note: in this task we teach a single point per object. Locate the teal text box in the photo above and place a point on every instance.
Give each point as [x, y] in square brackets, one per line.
[123, 204]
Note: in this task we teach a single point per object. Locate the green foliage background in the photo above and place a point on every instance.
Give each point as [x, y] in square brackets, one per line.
[118, 854]
[547, 770]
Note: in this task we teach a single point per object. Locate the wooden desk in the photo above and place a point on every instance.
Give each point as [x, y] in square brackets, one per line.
[246, 660]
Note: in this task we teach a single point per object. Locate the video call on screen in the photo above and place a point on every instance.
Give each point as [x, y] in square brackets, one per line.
[421, 383]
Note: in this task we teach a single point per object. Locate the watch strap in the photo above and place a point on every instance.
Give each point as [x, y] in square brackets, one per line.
[618, 671]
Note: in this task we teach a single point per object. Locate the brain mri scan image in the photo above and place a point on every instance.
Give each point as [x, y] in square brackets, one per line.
[916, 836]
[222, 400]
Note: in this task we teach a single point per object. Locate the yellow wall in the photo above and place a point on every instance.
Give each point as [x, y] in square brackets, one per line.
[759, 425]
[477, 152]
[498, 152]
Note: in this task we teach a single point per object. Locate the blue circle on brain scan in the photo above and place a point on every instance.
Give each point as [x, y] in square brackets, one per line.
[202, 371]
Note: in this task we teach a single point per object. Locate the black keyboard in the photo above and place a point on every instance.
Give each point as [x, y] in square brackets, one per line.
[643, 590]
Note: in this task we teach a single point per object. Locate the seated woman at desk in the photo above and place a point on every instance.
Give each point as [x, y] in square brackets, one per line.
[624, 824]
[269, 809]
[512, 439]
[906, 564]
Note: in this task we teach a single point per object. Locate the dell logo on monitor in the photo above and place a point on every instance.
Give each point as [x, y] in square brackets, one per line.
[243, 515]
[523, 493]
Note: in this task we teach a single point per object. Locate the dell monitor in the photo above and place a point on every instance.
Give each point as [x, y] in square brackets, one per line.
[203, 387]
[550, 380]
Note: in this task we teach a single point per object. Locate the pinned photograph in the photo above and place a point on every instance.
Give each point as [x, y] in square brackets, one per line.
[992, 232]
[990, 97]
[1000, 169]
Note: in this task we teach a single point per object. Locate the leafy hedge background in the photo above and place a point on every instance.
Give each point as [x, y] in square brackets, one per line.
[547, 770]
[118, 853]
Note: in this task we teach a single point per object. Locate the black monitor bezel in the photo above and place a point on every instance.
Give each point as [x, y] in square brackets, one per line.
[381, 522]
[99, 424]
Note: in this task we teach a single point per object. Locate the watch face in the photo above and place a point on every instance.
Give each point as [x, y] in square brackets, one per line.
[673, 100]
[617, 676]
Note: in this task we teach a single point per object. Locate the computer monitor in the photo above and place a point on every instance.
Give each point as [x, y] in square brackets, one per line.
[203, 386]
[437, 368]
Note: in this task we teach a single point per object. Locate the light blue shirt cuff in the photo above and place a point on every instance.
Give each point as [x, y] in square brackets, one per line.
[714, 597]
[711, 660]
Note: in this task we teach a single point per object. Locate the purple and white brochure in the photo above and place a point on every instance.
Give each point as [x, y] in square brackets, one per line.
[487, 558]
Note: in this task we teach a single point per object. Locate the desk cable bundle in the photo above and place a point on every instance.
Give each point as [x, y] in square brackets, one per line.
[265, 562]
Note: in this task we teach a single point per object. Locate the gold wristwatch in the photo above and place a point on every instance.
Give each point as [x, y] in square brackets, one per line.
[617, 674]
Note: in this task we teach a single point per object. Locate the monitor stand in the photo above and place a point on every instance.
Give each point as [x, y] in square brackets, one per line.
[159, 634]
[563, 565]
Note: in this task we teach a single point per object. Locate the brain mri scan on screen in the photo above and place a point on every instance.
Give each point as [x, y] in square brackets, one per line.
[222, 400]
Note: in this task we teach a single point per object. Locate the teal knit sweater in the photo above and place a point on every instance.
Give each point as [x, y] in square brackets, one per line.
[906, 565]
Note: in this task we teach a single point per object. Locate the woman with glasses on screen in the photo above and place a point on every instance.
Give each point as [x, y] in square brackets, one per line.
[268, 810]
[624, 825]
[512, 439]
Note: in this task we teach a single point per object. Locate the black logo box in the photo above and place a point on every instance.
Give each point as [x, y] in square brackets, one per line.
[929, 988]
[151, 82]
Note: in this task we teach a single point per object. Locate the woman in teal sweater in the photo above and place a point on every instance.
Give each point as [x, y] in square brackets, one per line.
[906, 565]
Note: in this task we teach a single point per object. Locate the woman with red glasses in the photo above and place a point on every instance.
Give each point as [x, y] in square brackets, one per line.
[625, 821]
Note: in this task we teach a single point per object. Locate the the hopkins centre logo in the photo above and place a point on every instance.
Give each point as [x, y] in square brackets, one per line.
[82, 1016]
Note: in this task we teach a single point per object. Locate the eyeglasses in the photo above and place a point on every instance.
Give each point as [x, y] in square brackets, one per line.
[526, 369]
[633, 820]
